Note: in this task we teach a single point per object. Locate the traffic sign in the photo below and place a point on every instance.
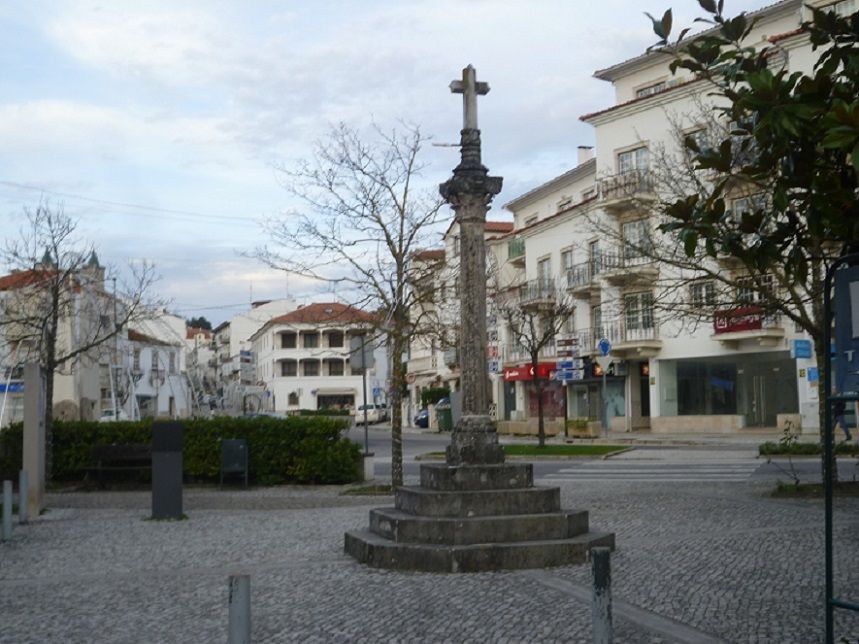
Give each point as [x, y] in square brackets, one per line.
[568, 353]
[603, 362]
[570, 364]
[604, 346]
[568, 342]
[493, 366]
[570, 374]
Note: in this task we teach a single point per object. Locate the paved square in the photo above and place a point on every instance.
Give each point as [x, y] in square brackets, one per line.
[695, 563]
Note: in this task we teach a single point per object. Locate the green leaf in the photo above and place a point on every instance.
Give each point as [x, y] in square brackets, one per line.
[690, 242]
[666, 22]
[855, 156]
[708, 5]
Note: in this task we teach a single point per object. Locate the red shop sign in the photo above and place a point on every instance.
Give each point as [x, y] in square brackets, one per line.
[545, 370]
[745, 318]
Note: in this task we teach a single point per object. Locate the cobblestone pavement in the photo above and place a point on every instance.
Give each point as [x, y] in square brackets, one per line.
[694, 563]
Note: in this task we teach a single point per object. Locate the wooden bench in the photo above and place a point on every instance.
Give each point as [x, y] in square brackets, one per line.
[120, 458]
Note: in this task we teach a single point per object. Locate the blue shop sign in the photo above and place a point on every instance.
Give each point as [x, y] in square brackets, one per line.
[802, 349]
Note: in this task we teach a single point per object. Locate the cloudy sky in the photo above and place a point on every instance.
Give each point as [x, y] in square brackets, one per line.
[158, 125]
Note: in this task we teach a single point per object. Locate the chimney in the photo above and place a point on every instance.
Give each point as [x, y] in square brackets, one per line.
[586, 153]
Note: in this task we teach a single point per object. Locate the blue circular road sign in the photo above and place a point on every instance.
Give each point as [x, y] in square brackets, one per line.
[604, 346]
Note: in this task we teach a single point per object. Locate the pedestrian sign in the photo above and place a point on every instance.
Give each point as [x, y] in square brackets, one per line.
[604, 346]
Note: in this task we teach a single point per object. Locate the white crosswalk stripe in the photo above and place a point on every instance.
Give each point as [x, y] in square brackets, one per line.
[639, 471]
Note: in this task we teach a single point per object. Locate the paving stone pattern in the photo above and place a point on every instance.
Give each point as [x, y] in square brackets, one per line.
[720, 558]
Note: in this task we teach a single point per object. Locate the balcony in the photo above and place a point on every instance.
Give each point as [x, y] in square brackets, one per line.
[629, 339]
[621, 192]
[581, 279]
[425, 364]
[537, 293]
[627, 268]
[747, 323]
[516, 252]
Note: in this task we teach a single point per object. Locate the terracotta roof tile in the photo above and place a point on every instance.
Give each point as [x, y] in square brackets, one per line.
[21, 279]
[637, 99]
[323, 312]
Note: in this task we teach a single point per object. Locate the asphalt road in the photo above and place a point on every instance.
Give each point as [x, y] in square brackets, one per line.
[720, 463]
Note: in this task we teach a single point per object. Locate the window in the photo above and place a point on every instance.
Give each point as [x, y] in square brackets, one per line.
[701, 138]
[702, 294]
[135, 360]
[566, 261]
[310, 340]
[311, 367]
[570, 323]
[632, 160]
[636, 239]
[749, 204]
[172, 362]
[456, 244]
[154, 364]
[749, 292]
[335, 339]
[335, 368]
[588, 193]
[649, 90]
[287, 340]
[289, 368]
[564, 202]
[638, 310]
[292, 399]
[544, 272]
[595, 257]
[532, 220]
[596, 321]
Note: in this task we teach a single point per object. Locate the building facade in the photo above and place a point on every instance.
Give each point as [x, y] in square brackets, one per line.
[303, 359]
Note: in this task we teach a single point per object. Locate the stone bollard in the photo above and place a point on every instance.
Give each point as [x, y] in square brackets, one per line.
[7, 510]
[23, 502]
[601, 604]
[239, 604]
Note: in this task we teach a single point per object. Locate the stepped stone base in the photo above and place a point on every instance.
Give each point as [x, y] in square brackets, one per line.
[475, 518]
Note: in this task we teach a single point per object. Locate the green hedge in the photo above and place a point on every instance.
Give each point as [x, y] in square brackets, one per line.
[323, 412]
[805, 449]
[433, 395]
[295, 449]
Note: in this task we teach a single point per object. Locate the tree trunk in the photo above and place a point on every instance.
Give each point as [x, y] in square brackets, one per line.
[538, 389]
[397, 413]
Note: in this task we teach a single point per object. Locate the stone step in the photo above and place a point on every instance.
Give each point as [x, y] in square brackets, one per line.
[378, 552]
[402, 527]
[479, 503]
[503, 476]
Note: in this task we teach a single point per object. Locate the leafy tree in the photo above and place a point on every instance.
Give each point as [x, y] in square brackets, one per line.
[55, 308]
[365, 219]
[199, 323]
[794, 137]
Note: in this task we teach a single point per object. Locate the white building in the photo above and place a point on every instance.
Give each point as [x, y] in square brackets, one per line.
[232, 362]
[581, 230]
[302, 358]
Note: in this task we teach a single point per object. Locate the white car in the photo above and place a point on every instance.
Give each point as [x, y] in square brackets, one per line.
[108, 417]
[373, 414]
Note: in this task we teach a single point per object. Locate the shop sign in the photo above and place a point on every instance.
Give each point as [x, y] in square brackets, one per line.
[745, 318]
[801, 349]
[545, 370]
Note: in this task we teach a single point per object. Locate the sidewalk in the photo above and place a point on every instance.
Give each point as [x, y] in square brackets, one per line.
[694, 563]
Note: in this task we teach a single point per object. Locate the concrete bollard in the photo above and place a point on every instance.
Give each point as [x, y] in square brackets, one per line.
[23, 502]
[239, 610]
[7, 510]
[601, 604]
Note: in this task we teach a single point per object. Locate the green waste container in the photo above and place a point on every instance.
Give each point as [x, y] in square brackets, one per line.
[444, 416]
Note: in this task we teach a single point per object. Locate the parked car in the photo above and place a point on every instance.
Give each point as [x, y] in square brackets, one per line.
[372, 414]
[422, 418]
[383, 412]
[108, 417]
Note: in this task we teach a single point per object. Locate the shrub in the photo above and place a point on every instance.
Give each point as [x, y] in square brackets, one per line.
[323, 412]
[295, 449]
[433, 395]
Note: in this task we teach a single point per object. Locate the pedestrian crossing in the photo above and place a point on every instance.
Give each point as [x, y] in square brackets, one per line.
[681, 472]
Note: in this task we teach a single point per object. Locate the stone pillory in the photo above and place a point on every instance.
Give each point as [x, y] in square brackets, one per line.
[475, 512]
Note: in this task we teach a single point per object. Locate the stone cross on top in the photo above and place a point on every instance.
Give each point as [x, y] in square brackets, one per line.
[469, 88]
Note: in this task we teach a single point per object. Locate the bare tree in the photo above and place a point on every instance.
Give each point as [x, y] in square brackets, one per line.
[365, 219]
[535, 313]
[55, 308]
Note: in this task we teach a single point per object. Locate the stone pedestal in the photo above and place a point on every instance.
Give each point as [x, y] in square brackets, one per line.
[475, 518]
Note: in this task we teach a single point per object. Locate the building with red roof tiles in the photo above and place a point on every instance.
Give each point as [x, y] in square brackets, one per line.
[303, 359]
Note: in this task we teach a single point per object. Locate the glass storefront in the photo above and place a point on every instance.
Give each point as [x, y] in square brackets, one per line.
[759, 386]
